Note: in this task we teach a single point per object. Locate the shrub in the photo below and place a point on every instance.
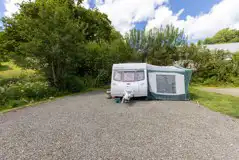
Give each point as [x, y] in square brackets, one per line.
[89, 81]
[74, 84]
[235, 81]
[8, 81]
[102, 78]
[37, 90]
[20, 93]
[13, 92]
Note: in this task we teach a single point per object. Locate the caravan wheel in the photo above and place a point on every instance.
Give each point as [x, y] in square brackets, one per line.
[108, 93]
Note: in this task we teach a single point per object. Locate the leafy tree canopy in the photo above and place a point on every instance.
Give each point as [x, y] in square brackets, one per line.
[63, 39]
[224, 36]
[157, 46]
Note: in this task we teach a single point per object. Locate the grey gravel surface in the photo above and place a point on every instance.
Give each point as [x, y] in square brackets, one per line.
[228, 91]
[90, 126]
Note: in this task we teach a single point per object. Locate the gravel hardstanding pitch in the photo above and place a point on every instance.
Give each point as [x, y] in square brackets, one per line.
[89, 126]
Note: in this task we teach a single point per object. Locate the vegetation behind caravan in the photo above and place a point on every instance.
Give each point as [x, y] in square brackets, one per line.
[223, 36]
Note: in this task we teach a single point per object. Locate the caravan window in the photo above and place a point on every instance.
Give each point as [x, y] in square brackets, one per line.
[117, 75]
[129, 76]
[166, 83]
[140, 75]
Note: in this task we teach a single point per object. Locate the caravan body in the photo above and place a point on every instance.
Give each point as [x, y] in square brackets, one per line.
[129, 76]
[154, 82]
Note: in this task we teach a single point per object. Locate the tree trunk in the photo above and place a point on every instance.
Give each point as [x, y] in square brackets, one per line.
[53, 74]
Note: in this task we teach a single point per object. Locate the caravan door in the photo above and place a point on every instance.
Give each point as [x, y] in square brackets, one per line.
[141, 78]
[129, 82]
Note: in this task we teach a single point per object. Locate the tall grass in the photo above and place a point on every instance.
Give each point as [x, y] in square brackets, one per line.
[10, 70]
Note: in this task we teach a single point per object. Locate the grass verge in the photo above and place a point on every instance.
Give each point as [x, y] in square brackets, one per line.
[225, 104]
[11, 70]
[215, 86]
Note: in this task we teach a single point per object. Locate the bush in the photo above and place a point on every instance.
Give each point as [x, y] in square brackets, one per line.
[4, 82]
[37, 90]
[14, 92]
[74, 84]
[235, 81]
[89, 81]
[20, 93]
[24, 88]
[102, 78]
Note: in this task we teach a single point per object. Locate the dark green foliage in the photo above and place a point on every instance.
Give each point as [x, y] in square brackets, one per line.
[3, 51]
[74, 84]
[102, 79]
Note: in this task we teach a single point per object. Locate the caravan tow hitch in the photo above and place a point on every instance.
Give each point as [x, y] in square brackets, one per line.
[128, 94]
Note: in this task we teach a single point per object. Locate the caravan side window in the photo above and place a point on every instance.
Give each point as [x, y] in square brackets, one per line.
[140, 75]
[166, 84]
[117, 75]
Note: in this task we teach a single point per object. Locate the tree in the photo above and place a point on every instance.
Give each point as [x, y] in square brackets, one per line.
[54, 33]
[140, 41]
[158, 46]
[65, 42]
[200, 42]
[3, 52]
[224, 36]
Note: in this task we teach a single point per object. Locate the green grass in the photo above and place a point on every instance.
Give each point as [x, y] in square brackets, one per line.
[10, 70]
[221, 85]
[225, 104]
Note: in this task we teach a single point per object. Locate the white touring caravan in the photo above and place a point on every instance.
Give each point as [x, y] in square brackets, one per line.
[131, 77]
[154, 82]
